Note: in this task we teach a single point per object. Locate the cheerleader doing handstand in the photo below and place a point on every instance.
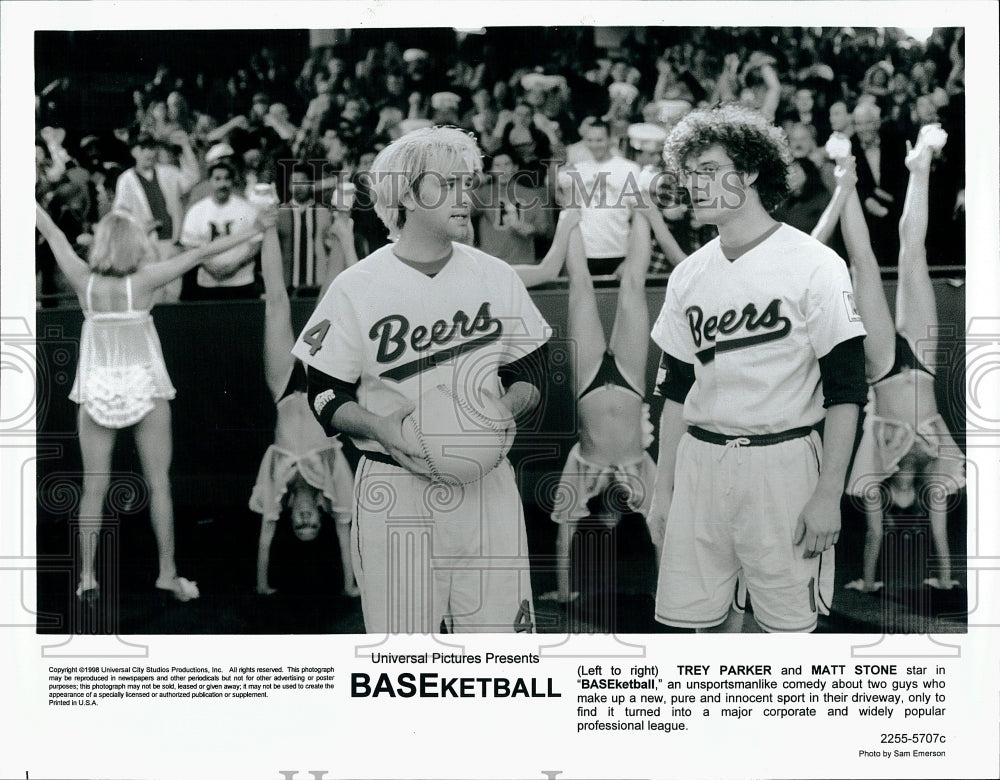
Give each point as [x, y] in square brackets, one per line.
[303, 471]
[907, 454]
[609, 381]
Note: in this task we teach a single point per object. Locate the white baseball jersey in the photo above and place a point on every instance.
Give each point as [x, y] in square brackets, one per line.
[207, 220]
[400, 331]
[754, 329]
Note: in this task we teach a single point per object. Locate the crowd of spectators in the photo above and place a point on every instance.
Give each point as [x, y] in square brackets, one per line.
[533, 110]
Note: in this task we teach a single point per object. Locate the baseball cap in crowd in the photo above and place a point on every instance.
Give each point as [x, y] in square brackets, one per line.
[223, 162]
[144, 141]
[262, 97]
[441, 101]
[646, 137]
[412, 55]
[218, 152]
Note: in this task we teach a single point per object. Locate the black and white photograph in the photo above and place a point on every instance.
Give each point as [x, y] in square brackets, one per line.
[232, 505]
[369, 346]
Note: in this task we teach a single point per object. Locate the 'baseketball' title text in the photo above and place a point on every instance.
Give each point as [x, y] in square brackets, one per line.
[433, 686]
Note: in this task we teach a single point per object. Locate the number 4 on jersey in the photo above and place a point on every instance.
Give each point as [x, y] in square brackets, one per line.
[522, 620]
[315, 335]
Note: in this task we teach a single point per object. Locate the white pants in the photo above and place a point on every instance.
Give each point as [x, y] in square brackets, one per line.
[425, 552]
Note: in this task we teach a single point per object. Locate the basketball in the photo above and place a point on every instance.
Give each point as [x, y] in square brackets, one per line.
[463, 438]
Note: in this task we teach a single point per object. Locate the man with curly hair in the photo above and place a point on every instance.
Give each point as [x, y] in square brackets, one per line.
[761, 345]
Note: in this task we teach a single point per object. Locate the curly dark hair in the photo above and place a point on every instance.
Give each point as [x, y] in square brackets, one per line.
[752, 143]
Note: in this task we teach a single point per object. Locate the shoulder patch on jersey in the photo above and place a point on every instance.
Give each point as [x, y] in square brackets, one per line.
[852, 309]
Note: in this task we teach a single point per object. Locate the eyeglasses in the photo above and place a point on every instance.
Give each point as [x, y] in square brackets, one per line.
[707, 172]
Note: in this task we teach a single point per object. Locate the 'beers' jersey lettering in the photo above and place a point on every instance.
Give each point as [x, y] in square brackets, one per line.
[754, 328]
[395, 336]
[392, 332]
[399, 331]
[704, 330]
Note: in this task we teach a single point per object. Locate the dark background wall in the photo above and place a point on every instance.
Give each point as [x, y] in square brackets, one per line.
[223, 417]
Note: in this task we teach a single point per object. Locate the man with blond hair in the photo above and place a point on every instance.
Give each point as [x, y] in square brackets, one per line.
[426, 311]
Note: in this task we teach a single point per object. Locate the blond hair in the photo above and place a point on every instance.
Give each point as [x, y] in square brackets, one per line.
[398, 169]
[120, 245]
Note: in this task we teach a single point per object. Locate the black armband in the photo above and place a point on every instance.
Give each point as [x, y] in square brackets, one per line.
[532, 368]
[674, 378]
[843, 372]
[326, 395]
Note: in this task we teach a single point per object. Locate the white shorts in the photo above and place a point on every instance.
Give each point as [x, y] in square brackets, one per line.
[730, 527]
[425, 552]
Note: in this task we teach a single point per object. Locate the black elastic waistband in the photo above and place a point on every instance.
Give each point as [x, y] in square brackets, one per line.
[759, 440]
